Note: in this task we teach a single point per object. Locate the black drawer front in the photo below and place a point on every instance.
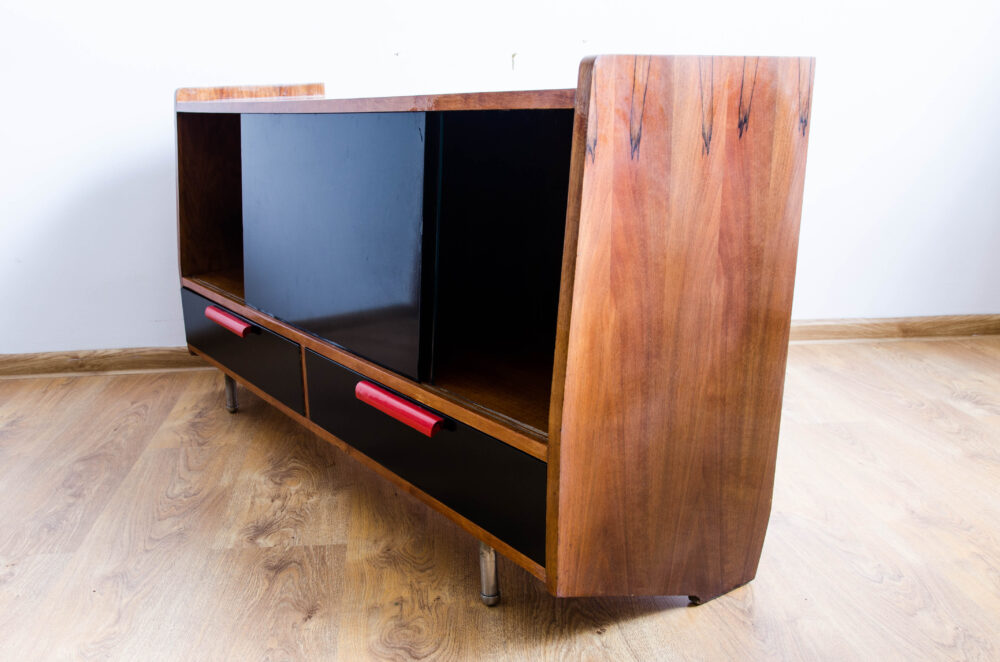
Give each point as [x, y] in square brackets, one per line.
[265, 359]
[492, 484]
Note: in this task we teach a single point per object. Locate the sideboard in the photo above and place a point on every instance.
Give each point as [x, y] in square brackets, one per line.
[558, 317]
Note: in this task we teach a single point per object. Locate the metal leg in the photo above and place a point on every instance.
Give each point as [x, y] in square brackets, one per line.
[490, 592]
[232, 403]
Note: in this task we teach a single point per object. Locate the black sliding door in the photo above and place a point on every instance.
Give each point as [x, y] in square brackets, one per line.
[333, 208]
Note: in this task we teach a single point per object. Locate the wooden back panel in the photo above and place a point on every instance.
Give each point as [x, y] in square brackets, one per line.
[209, 194]
[664, 434]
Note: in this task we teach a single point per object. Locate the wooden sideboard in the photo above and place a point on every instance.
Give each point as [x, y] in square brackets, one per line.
[589, 314]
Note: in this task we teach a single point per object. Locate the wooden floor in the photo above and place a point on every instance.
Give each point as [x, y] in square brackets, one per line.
[140, 521]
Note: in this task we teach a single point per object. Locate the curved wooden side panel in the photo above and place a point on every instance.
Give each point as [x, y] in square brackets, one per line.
[185, 94]
[662, 456]
[578, 152]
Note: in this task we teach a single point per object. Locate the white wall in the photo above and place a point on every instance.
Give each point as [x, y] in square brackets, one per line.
[902, 205]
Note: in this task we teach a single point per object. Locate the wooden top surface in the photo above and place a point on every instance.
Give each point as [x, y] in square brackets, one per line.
[186, 102]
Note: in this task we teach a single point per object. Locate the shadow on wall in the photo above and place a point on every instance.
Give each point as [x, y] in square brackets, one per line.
[99, 268]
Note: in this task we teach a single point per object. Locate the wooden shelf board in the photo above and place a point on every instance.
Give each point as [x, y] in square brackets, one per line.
[228, 282]
[519, 390]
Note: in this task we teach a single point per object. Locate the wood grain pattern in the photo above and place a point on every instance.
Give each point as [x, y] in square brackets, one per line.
[429, 102]
[33, 416]
[61, 493]
[678, 327]
[227, 282]
[521, 393]
[98, 360]
[228, 93]
[399, 562]
[182, 491]
[520, 437]
[895, 327]
[882, 543]
[581, 152]
[287, 603]
[294, 482]
[194, 420]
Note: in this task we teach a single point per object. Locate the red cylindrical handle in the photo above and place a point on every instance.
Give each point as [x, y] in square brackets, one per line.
[227, 321]
[402, 410]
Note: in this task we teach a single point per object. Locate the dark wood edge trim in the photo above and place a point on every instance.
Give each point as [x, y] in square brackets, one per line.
[895, 327]
[305, 383]
[233, 92]
[568, 274]
[177, 195]
[467, 525]
[98, 360]
[432, 398]
[522, 99]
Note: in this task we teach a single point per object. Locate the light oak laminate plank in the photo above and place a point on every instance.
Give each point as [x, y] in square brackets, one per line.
[134, 573]
[269, 603]
[62, 487]
[195, 420]
[289, 492]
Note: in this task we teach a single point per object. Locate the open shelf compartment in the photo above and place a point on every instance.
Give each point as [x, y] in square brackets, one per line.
[210, 201]
[501, 217]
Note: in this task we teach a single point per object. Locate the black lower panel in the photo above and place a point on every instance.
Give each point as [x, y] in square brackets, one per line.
[265, 359]
[494, 485]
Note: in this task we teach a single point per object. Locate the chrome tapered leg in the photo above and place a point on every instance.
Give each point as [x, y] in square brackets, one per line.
[232, 403]
[490, 591]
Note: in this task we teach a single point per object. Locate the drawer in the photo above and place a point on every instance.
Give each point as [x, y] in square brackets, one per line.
[265, 359]
[492, 484]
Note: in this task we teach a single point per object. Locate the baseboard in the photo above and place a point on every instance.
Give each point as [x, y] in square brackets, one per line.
[176, 358]
[99, 360]
[895, 327]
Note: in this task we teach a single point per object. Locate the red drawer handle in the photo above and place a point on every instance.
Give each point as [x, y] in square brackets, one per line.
[402, 410]
[227, 321]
